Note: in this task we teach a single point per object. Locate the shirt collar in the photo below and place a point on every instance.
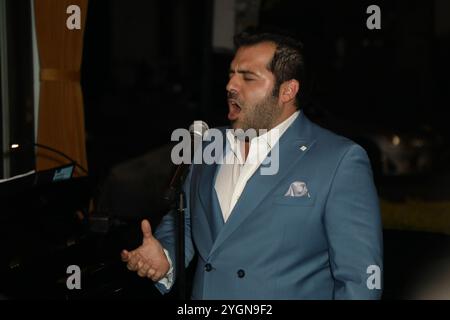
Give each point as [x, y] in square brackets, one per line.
[269, 138]
[272, 136]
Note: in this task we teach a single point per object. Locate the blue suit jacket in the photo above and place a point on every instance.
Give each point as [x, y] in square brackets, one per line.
[278, 247]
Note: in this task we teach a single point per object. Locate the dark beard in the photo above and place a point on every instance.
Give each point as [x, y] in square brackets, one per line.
[262, 116]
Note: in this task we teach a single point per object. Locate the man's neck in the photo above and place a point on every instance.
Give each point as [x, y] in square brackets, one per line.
[279, 122]
[246, 149]
[284, 116]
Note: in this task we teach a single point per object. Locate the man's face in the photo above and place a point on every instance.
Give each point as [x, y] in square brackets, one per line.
[250, 86]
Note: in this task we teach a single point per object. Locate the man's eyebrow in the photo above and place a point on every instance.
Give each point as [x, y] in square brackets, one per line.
[243, 71]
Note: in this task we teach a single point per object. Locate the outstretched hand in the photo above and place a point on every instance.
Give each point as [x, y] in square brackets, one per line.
[149, 259]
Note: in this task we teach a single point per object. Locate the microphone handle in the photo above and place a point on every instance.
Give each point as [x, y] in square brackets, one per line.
[176, 183]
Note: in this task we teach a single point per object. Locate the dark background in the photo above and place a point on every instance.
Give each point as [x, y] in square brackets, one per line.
[149, 68]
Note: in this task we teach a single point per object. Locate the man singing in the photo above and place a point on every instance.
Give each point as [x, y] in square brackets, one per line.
[312, 230]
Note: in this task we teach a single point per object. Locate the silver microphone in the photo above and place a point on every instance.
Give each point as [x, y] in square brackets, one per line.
[197, 129]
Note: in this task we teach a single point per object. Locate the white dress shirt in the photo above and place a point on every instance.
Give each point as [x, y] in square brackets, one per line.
[233, 175]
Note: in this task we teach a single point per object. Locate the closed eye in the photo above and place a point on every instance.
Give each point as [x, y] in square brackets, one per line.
[247, 75]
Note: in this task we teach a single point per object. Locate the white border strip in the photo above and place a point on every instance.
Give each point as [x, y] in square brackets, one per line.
[5, 89]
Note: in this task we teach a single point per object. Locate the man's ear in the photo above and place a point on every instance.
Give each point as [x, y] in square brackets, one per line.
[288, 90]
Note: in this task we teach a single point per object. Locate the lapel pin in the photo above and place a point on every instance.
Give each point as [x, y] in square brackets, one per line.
[303, 148]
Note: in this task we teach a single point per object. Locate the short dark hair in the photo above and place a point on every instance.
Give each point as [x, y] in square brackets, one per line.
[288, 60]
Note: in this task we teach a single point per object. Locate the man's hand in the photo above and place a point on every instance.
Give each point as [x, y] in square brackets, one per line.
[149, 259]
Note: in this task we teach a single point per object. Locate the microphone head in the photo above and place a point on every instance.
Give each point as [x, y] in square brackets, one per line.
[198, 128]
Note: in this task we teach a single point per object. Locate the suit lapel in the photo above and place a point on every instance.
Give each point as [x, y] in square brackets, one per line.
[207, 175]
[259, 186]
[208, 197]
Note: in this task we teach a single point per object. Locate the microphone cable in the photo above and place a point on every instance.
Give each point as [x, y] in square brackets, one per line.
[43, 146]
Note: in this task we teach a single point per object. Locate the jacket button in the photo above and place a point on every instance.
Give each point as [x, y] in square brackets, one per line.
[208, 267]
[241, 273]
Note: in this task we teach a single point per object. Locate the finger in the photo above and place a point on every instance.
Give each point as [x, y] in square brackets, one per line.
[146, 229]
[125, 255]
[133, 263]
[142, 272]
[131, 266]
[156, 277]
[150, 273]
[142, 258]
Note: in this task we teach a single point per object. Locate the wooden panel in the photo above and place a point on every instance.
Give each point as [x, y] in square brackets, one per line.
[61, 116]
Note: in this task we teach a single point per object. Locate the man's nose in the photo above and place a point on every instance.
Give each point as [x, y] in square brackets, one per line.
[232, 85]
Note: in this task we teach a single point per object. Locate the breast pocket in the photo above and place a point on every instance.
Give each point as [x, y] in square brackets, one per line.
[304, 201]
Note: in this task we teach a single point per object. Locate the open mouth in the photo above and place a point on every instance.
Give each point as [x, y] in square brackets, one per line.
[234, 110]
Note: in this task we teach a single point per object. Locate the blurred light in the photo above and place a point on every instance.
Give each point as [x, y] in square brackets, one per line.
[418, 143]
[14, 146]
[395, 140]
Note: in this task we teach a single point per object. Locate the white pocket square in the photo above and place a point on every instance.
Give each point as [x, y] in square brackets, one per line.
[297, 189]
